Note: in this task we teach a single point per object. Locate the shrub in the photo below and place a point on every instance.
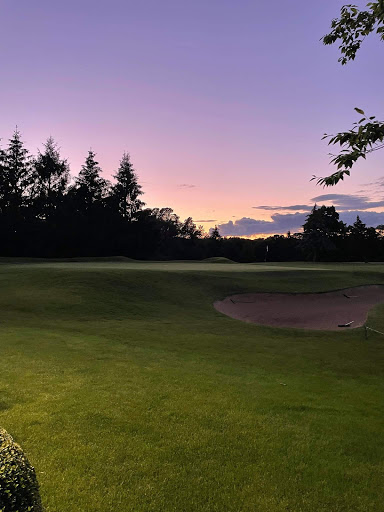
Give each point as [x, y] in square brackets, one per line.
[19, 489]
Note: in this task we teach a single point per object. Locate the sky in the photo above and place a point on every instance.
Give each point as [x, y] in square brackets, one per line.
[222, 105]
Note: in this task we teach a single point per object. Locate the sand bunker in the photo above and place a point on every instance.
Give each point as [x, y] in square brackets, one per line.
[305, 310]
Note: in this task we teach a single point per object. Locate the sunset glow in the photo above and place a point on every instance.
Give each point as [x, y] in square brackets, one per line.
[221, 105]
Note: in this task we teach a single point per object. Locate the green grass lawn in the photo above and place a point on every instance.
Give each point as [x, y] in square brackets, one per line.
[129, 392]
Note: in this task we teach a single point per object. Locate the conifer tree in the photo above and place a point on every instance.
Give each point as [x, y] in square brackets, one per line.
[2, 178]
[50, 179]
[90, 187]
[359, 231]
[126, 191]
[2, 159]
[16, 173]
[215, 234]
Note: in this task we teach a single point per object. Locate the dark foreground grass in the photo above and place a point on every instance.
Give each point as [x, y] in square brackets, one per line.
[129, 392]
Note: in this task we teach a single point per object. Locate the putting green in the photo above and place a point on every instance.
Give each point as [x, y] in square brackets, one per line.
[162, 266]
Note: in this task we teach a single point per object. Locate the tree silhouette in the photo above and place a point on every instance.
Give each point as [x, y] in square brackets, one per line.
[125, 193]
[360, 231]
[215, 234]
[361, 240]
[188, 229]
[50, 180]
[41, 216]
[90, 188]
[17, 175]
[3, 180]
[321, 229]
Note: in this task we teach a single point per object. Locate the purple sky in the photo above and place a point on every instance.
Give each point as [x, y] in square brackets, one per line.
[221, 104]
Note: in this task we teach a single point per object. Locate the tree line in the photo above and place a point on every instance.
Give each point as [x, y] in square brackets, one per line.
[324, 238]
[45, 213]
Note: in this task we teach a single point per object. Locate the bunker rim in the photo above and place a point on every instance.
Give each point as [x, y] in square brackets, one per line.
[347, 324]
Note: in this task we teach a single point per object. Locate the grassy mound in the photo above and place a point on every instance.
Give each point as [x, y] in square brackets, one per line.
[80, 259]
[19, 490]
[218, 259]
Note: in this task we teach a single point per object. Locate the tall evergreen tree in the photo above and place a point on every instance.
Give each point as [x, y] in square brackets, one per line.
[359, 231]
[3, 179]
[50, 179]
[2, 158]
[215, 233]
[126, 191]
[17, 174]
[361, 241]
[90, 188]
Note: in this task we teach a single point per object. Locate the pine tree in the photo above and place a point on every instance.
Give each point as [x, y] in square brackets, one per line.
[3, 180]
[17, 174]
[215, 234]
[2, 159]
[360, 232]
[90, 187]
[50, 179]
[126, 191]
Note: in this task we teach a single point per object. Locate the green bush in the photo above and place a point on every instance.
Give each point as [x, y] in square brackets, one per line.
[19, 489]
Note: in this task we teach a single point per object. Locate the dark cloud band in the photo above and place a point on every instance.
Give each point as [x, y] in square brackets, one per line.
[281, 223]
[342, 202]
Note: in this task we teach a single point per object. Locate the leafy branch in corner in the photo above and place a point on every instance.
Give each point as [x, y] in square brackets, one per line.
[367, 135]
[354, 26]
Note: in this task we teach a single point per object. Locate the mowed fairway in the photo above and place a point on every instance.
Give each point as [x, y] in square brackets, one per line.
[129, 392]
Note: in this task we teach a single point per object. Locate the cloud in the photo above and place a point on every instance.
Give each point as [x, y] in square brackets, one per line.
[342, 202]
[371, 219]
[186, 185]
[378, 183]
[294, 207]
[210, 220]
[348, 201]
[246, 226]
[281, 223]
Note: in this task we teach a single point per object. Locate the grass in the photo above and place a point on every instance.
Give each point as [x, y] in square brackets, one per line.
[129, 392]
